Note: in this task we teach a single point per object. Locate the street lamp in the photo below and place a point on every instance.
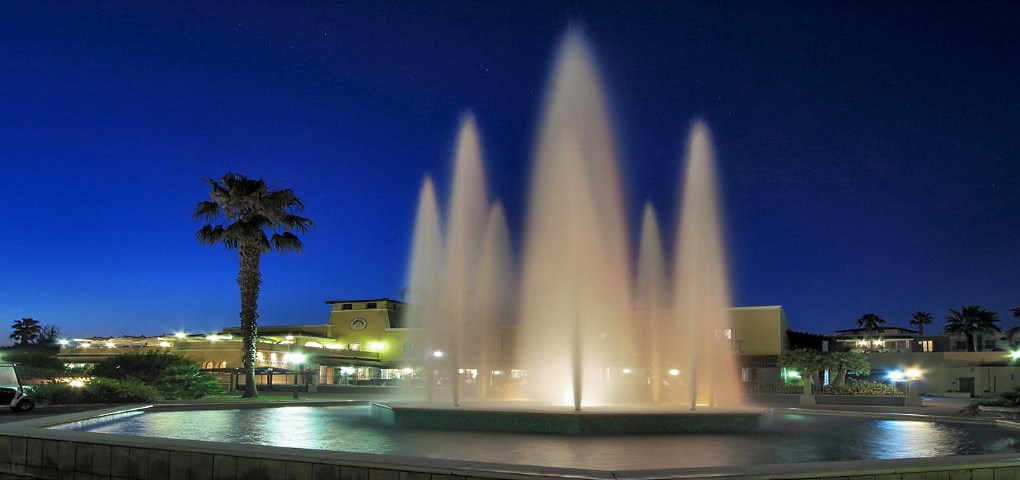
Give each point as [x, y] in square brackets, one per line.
[297, 359]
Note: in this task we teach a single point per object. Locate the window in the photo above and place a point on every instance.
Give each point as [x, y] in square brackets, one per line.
[728, 334]
[927, 346]
[223, 364]
[371, 305]
[354, 346]
[347, 306]
[207, 365]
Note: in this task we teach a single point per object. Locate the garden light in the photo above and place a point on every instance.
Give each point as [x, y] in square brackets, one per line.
[913, 374]
[896, 375]
[76, 383]
[1014, 355]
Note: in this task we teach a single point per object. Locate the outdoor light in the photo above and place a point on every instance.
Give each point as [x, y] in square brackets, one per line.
[76, 383]
[792, 374]
[377, 346]
[460, 370]
[313, 344]
[297, 358]
[896, 375]
[63, 342]
[626, 371]
[913, 374]
[212, 338]
[84, 344]
[180, 334]
[164, 344]
[408, 371]
[497, 372]
[289, 337]
[437, 354]
[110, 345]
[1014, 355]
[334, 346]
[674, 372]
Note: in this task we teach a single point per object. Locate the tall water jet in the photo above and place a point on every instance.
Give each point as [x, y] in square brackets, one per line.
[652, 298]
[701, 283]
[575, 287]
[425, 273]
[467, 215]
[496, 301]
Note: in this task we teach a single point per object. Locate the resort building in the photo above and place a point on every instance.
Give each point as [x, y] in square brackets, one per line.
[366, 342]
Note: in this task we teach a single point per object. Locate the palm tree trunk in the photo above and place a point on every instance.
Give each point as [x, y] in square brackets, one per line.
[249, 279]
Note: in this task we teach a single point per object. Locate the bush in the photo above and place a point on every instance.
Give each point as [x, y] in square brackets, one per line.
[34, 359]
[97, 390]
[780, 388]
[147, 367]
[187, 382]
[862, 387]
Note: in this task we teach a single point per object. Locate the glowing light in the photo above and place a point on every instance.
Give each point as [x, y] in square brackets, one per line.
[792, 374]
[297, 358]
[896, 375]
[377, 346]
[674, 372]
[164, 344]
[76, 383]
[110, 345]
[313, 344]
[63, 342]
[460, 370]
[180, 334]
[1014, 355]
[286, 342]
[408, 371]
[913, 374]
[213, 338]
[289, 337]
[497, 372]
[347, 370]
[626, 371]
[84, 344]
[437, 354]
[335, 346]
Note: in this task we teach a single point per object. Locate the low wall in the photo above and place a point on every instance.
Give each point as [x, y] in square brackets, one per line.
[787, 399]
[29, 449]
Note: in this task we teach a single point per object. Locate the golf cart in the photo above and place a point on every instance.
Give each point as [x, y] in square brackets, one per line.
[12, 393]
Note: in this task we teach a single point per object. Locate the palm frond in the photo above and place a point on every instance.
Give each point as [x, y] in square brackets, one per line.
[286, 241]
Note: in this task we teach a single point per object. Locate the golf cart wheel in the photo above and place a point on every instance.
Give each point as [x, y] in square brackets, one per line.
[23, 406]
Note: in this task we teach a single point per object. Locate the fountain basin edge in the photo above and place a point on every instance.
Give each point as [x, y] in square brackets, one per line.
[566, 423]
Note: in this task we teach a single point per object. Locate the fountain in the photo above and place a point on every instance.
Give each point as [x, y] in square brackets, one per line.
[588, 338]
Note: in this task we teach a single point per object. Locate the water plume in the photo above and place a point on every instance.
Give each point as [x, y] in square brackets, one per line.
[496, 300]
[652, 299]
[424, 274]
[701, 283]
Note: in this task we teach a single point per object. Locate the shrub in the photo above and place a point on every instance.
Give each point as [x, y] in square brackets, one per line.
[780, 388]
[863, 387]
[34, 359]
[187, 382]
[147, 367]
[97, 390]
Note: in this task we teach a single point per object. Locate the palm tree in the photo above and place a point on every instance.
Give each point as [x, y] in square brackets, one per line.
[25, 331]
[972, 321]
[1014, 333]
[920, 318]
[253, 219]
[848, 362]
[870, 321]
[807, 363]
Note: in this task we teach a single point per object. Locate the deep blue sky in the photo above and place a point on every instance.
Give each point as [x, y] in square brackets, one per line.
[870, 152]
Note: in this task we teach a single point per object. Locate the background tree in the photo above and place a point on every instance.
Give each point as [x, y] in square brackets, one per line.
[870, 321]
[1013, 334]
[972, 321]
[25, 331]
[48, 335]
[920, 318]
[249, 217]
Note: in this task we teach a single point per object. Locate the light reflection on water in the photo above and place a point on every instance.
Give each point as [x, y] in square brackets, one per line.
[781, 438]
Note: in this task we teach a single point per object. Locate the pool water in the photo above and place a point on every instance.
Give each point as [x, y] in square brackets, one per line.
[781, 438]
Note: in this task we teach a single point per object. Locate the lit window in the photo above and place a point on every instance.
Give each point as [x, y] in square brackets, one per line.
[727, 333]
[927, 346]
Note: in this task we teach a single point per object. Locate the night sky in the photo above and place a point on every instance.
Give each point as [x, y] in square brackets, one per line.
[869, 152]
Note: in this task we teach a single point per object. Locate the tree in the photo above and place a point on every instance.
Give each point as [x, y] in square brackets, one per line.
[806, 362]
[25, 331]
[48, 335]
[870, 321]
[1014, 333]
[847, 362]
[920, 318]
[147, 367]
[972, 321]
[247, 216]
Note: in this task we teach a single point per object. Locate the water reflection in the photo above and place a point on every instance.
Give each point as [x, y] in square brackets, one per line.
[781, 438]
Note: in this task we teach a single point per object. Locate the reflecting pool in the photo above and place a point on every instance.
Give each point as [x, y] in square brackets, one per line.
[781, 438]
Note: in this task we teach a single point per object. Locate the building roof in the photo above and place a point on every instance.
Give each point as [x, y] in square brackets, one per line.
[383, 299]
[876, 330]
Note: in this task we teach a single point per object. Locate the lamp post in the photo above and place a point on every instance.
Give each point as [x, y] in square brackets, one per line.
[297, 359]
